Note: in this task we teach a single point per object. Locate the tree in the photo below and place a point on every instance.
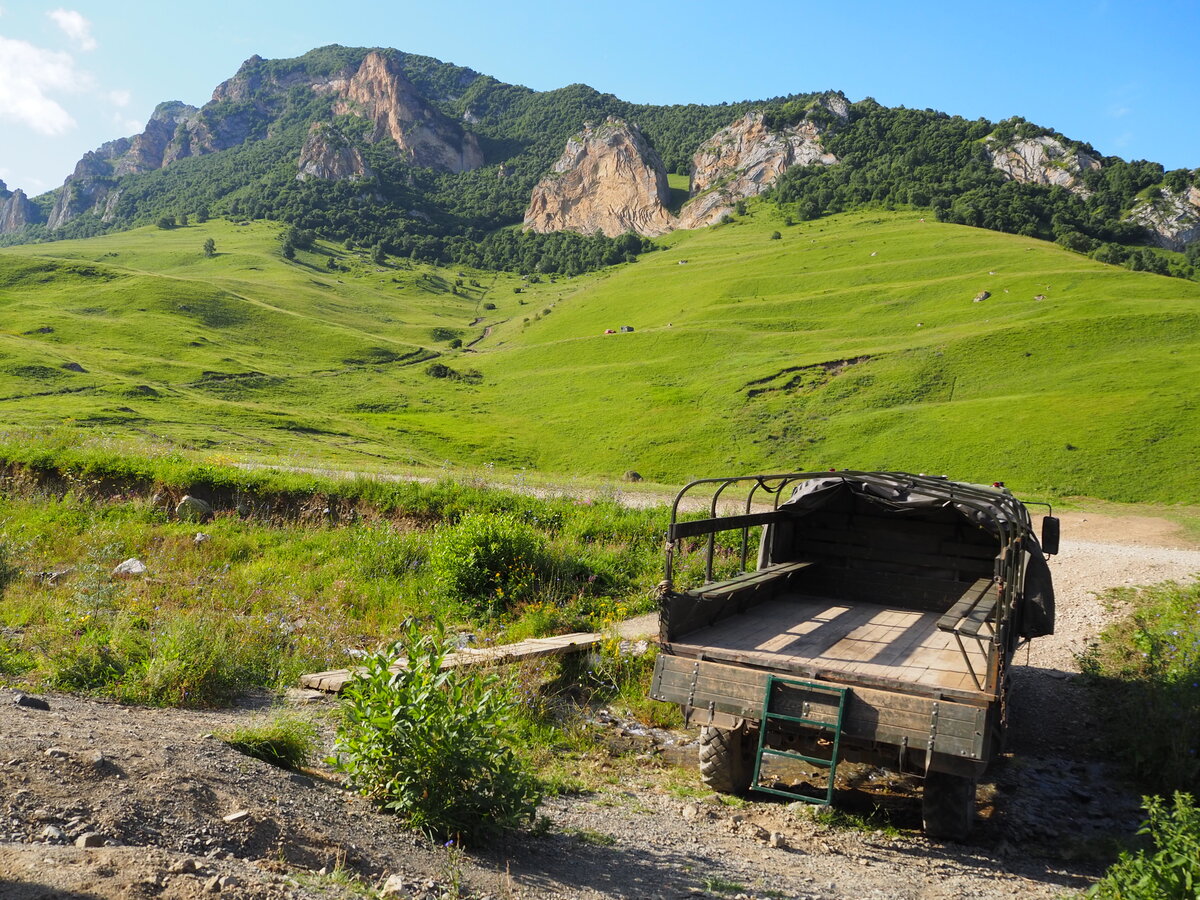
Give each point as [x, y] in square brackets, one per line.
[166, 222]
[378, 256]
[183, 219]
[210, 248]
[202, 214]
[289, 251]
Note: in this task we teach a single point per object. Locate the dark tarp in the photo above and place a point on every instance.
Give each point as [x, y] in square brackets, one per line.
[993, 509]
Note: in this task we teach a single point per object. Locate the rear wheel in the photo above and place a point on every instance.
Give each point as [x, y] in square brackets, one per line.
[948, 806]
[726, 759]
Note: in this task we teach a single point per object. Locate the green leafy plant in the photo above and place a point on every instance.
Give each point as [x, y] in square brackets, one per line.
[489, 561]
[1168, 871]
[432, 744]
[285, 739]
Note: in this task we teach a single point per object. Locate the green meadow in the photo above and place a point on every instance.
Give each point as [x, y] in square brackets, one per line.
[849, 342]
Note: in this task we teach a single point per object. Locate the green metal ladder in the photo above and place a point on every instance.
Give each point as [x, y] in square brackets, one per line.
[768, 715]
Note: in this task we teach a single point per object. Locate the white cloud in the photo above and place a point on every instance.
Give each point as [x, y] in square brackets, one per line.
[119, 97]
[74, 26]
[29, 75]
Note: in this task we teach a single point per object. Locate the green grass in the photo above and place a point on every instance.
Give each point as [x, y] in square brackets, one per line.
[853, 342]
[284, 739]
[1146, 668]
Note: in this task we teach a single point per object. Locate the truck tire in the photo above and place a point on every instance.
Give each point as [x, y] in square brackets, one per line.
[948, 806]
[726, 759]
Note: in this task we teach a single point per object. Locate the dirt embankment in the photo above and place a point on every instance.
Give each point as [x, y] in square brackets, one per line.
[174, 813]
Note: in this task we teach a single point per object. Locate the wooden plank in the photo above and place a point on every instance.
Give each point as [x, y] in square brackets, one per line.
[973, 609]
[533, 648]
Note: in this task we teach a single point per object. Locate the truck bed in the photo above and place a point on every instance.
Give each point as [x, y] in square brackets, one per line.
[848, 642]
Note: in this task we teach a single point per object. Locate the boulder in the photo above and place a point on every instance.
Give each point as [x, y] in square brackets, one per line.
[131, 566]
[193, 509]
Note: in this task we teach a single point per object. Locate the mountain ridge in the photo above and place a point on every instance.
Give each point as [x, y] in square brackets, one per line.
[450, 156]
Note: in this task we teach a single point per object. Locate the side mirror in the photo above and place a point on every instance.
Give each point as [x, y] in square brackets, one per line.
[1050, 533]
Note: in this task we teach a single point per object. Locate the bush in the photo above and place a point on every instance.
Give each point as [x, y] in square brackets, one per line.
[1171, 871]
[489, 561]
[285, 740]
[434, 745]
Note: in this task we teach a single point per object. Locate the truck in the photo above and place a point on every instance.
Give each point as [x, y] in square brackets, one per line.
[877, 624]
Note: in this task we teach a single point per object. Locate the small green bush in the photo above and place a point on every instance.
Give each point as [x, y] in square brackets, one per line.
[489, 561]
[1169, 871]
[434, 745]
[286, 740]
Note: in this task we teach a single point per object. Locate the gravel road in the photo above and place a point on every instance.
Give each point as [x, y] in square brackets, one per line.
[99, 800]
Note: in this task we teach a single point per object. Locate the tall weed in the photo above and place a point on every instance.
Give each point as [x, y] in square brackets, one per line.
[1168, 871]
[434, 745]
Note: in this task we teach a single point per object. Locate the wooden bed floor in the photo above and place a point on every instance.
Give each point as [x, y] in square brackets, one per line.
[861, 638]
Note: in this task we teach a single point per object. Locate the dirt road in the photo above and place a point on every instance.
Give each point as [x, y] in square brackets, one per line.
[175, 813]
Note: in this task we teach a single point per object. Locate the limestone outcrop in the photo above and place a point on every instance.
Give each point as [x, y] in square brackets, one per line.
[1043, 160]
[747, 157]
[329, 155]
[609, 179]
[1173, 218]
[91, 187]
[15, 210]
[379, 91]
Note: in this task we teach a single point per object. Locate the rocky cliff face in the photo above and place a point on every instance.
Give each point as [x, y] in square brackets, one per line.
[327, 154]
[244, 107]
[609, 180]
[15, 210]
[379, 91]
[745, 158]
[1043, 160]
[1173, 218]
[92, 186]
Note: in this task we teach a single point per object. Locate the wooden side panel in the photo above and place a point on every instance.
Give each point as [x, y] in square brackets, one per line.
[872, 716]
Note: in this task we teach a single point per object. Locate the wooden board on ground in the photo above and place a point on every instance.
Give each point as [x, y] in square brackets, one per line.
[532, 648]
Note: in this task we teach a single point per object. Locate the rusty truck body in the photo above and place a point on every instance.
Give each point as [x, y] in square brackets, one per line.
[877, 623]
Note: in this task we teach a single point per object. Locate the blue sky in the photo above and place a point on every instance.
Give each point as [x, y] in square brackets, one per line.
[1122, 76]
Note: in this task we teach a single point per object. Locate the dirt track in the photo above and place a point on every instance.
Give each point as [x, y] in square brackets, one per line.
[155, 789]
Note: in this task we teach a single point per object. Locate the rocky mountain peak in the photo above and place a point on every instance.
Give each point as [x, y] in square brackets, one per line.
[16, 211]
[608, 179]
[380, 91]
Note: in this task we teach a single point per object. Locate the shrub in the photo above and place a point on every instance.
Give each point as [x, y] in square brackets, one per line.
[489, 561]
[434, 745]
[776, 236]
[286, 740]
[1171, 871]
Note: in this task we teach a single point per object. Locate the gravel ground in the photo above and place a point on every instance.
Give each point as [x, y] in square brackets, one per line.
[99, 800]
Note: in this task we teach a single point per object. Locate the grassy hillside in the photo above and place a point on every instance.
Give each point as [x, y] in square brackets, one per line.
[850, 342]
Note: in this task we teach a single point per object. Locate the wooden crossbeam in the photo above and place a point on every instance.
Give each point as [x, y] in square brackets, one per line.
[560, 645]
